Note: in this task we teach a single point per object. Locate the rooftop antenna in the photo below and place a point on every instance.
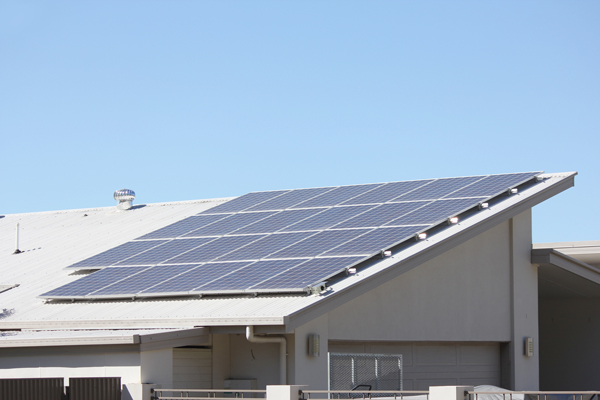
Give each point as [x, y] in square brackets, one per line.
[17, 251]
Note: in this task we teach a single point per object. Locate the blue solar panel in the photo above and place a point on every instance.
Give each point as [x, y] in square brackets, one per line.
[336, 196]
[93, 282]
[264, 247]
[387, 192]
[374, 241]
[145, 279]
[319, 243]
[435, 212]
[279, 221]
[381, 215]
[492, 185]
[116, 254]
[289, 199]
[268, 250]
[438, 189]
[184, 226]
[308, 273]
[328, 218]
[214, 249]
[195, 278]
[243, 202]
[164, 252]
[251, 275]
[229, 225]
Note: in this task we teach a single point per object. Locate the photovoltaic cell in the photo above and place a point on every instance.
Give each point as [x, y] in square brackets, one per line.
[197, 277]
[387, 192]
[94, 281]
[146, 279]
[289, 199]
[308, 273]
[279, 221]
[264, 247]
[252, 274]
[243, 202]
[374, 241]
[438, 189]
[214, 249]
[336, 196]
[164, 252]
[328, 218]
[493, 185]
[319, 243]
[229, 224]
[184, 226]
[435, 211]
[116, 254]
[381, 215]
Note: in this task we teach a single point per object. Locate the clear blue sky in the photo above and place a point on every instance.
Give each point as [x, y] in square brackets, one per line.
[183, 100]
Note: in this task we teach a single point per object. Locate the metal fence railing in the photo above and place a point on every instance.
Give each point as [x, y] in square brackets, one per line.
[359, 394]
[533, 395]
[205, 394]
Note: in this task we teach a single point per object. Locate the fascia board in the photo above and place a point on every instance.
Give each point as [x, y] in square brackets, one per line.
[73, 341]
[189, 337]
[336, 299]
[143, 323]
[555, 258]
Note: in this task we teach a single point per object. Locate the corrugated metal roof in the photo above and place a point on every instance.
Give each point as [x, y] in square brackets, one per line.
[52, 241]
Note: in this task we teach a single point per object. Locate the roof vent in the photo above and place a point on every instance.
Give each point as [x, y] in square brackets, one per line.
[125, 198]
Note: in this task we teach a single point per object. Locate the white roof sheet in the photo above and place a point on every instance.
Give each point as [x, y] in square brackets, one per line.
[52, 241]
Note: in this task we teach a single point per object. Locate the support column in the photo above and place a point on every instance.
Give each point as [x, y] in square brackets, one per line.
[525, 374]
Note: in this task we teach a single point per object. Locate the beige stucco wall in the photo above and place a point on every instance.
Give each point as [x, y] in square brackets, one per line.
[461, 295]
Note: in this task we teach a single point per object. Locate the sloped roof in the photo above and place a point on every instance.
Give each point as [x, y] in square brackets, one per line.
[51, 241]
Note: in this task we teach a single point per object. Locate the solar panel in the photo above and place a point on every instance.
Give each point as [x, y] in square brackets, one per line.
[243, 202]
[250, 275]
[308, 273]
[319, 243]
[491, 185]
[387, 192]
[164, 252]
[289, 199]
[116, 254]
[262, 248]
[279, 221]
[380, 215]
[280, 241]
[435, 211]
[374, 241]
[184, 226]
[230, 224]
[438, 189]
[94, 281]
[195, 278]
[143, 280]
[336, 196]
[214, 249]
[328, 218]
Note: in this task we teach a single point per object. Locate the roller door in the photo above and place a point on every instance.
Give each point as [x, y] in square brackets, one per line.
[436, 363]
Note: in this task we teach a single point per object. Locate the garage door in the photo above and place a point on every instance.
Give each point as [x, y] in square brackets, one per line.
[427, 364]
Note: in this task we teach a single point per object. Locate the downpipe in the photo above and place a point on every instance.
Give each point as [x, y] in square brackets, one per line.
[282, 350]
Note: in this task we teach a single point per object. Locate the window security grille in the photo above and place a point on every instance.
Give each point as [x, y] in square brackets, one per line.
[363, 372]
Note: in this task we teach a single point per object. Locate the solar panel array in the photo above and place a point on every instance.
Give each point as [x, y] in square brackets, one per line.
[279, 241]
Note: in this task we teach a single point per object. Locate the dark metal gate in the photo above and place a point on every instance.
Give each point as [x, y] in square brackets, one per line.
[94, 388]
[32, 389]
